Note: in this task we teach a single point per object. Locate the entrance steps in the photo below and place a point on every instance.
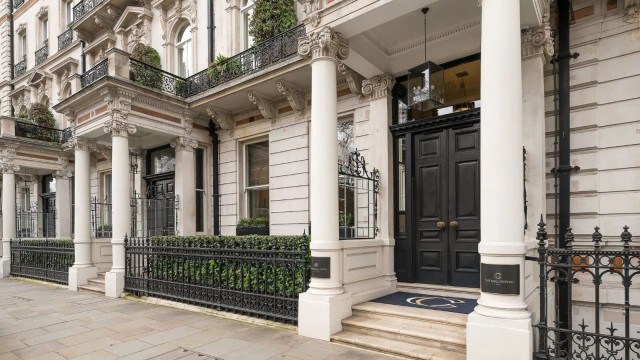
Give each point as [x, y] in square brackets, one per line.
[440, 290]
[95, 285]
[405, 331]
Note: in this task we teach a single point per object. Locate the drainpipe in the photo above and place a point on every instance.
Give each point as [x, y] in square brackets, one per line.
[214, 177]
[564, 164]
[11, 49]
[84, 57]
[211, 26]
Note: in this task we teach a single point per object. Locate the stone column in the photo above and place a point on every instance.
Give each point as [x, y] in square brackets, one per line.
[7, 155]
[501, 322]
[83, 268]
[63, 204]
[185, 183]
[378, 90]
[119, 107]
[324, 305]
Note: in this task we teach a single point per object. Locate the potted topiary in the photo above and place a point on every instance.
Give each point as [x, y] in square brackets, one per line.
[270, 18]
[253, 226]
[39, 114]
[146, 75]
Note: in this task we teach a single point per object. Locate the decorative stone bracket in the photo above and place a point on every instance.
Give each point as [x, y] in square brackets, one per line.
[222, 119]
[354, 80]
[312, 10]
[294, 96]
[266, 106]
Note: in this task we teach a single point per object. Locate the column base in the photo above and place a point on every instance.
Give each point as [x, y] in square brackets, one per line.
[5, 268]
[492, 338]
[320, 316]
[81, 275]
[114, 283]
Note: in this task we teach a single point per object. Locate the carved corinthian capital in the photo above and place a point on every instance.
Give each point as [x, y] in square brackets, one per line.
[79, 143]
[119, 128]
[378, 86]
[7, 156]
[538, 40]
[183, 143]
[324, 43]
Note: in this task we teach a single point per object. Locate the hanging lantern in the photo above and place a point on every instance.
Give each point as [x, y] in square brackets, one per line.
[426, 86]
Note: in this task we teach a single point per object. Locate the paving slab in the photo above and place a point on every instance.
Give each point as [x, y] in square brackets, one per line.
[43, 322]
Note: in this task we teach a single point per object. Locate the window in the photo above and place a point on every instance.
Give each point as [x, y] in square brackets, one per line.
[68, 8]
[48, 184]
[257, 179]
[25, 202]
[346, 143]
[162, 161]
[199, 190]
[247, 12]
[183, 47]
[103, 207]
[44, 31]
[22, 46]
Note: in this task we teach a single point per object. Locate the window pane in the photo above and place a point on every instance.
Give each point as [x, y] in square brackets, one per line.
[199, 211]
[258, 167]
[346, 143]
[258, 203]
[163, 161]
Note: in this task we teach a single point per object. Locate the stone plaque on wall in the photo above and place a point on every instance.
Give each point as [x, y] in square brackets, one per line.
[320, 267]
[500, 279]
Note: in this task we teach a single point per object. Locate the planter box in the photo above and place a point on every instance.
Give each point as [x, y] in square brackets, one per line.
[244, 230]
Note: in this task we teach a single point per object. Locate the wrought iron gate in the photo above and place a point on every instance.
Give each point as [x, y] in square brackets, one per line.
[592, 337]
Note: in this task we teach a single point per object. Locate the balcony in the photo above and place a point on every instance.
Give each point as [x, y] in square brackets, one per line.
[12, 127]
[42, 54]
[95, 73]
[17, 4]
[83, 8]
[65, 39]
[20, 68]
[91, 17]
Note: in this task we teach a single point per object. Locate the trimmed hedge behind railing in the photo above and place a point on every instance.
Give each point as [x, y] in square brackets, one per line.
[254, 275]
[42, 259]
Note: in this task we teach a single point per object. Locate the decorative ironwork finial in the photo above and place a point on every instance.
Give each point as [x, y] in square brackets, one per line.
[542, 233]
[568, 237]
[626, 238]
[596, 238]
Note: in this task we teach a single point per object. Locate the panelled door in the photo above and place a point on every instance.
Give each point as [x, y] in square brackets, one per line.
[160, 206]
[446, 206]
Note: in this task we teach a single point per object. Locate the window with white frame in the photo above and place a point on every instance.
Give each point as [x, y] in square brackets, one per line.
[44, 31]
[183, 49]
[247, 12]
[22, 46]
[257, 179]
[68, 12]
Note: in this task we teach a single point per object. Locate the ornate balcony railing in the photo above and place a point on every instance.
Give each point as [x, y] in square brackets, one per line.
[17, 3]
[42, 133]
[42, 54]
[266, 53]
[94, 74]
[65, 39]
[84, 7]
[156, 78]
[20, 68]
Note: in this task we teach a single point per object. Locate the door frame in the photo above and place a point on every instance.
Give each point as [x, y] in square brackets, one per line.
[406, 262]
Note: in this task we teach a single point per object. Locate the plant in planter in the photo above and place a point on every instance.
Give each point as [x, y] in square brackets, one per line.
[347, 229]
[104, 230]
[271, 17]
[224, 67]
[253, 226]
[146, 75]
[40, 115]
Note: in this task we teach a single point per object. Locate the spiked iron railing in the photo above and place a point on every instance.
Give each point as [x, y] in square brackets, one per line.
[65, 39]
[591, 340]
[97, 72]
[42, 259]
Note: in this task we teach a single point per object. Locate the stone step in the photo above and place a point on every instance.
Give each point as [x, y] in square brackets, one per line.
[93, 288]
[97, 281]
[101, 275]
[440, 290]
[395, 347]
[434, 318]
[410, 331]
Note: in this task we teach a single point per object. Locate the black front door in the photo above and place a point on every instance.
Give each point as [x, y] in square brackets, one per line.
[446, 206]
[161, 206]
[49, 215]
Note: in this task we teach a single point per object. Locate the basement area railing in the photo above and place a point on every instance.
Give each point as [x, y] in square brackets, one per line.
[42, 259]
[608, 330]
[254, 275]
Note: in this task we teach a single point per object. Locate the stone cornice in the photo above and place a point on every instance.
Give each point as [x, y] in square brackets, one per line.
[378, 86]
[324, 43]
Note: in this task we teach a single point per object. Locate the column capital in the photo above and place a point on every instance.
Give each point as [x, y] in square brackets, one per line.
[7, 156]
[183, 143]
[62, 174]
[378, 86]
[324, 43]
[80, 143]
[538, 40]
[119, 128]
[8, 168]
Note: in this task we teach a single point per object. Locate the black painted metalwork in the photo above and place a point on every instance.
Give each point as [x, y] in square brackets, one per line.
[101, 221]
[155, 78]
[358, 196]
[65, 39]
[83, 8]
[258, 57]
[94, 74]
[33, 131]
[154, 213]
[42, 54]
[257, 276]
[42, 259]
[20, 68]
[32, 223]
[591, 339]
[524, 183]
[17, 3]
[215, 179]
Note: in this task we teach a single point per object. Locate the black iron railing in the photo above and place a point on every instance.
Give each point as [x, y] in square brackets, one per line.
[41, 133]
[42, 54]
[83, 8]
[266, 53]
[17, 4]
[358, 198]
[155, 78]
[94, 74]
[594, 337]
[31, 223]
[65, 39]
[20, 68]
[258, 276]
[47, 260]
[101, 220]
[154, 214]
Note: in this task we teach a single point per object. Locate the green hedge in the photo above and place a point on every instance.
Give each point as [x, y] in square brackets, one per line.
[251, 264]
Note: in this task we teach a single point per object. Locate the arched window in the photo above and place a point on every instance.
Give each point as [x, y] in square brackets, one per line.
[247, 12]
[183, 47]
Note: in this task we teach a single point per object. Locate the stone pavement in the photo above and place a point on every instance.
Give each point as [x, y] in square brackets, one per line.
[39, 321]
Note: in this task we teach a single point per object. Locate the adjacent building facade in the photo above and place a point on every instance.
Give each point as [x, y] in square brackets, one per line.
[192, 149]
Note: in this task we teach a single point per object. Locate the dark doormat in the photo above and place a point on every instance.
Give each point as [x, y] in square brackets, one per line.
[432, 302]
